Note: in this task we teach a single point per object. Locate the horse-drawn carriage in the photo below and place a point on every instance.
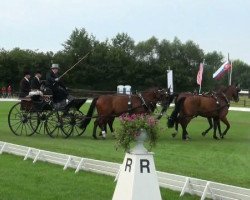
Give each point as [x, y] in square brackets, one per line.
[38, 113]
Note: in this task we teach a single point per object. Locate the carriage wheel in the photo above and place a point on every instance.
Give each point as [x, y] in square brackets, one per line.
[57, 124]
[21, 121]
[42, 118]
[67, 124]
[76, 120]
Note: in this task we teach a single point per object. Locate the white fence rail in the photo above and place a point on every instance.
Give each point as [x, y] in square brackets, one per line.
[202, 188]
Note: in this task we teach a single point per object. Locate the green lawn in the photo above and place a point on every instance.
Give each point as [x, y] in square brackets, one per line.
[23, 180]
[225, 161]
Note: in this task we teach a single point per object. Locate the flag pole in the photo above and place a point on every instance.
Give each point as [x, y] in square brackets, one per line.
[230, 78]
[229, 72]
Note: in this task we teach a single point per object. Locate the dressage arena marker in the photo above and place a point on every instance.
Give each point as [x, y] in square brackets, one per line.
[183, 184]
[136, 173]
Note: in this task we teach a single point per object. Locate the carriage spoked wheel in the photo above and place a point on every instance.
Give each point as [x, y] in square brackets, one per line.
[58, 124]
[42, 118]
[22, 121]
[76, 120]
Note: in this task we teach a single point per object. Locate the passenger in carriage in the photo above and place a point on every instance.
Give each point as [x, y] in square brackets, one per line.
[53, 82]
[36, 81]
[25, 85]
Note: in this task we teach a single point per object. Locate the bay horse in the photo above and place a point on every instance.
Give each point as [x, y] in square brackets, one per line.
[206, 106]
[110, 106]
[209, 119]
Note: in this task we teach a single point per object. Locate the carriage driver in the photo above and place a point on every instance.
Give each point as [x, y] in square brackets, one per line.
[53, 82]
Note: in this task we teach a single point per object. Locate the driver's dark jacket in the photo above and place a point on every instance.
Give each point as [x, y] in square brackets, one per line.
[59, 91]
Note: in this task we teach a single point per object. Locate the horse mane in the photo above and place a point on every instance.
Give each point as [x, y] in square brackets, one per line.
[152, 89]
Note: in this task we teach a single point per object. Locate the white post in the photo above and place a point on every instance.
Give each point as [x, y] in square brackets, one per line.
[79, 165]
[186, 185]
[137, 179]
[27, 154]
[37, 156]
[67, 163]
[1, 150]
[206, 190]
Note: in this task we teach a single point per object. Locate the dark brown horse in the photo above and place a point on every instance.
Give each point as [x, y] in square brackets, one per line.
[209, 119]
[110, 106]
[206, 106]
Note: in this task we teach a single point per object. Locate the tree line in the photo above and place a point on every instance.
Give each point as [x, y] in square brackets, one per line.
[120, 60]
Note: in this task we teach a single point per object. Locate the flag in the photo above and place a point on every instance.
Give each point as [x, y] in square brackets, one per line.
[199, 75]
[222, 70]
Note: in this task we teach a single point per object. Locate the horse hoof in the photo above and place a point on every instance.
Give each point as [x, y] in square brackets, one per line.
[203, 133]
[215, 137]
[94, 136]
[104, 138]
[222, 136]
[174, 135]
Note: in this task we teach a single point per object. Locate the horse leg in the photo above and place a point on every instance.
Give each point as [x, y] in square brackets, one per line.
[219, 128]
[176, 130]
[95, 127]
[184, 124]
[215, 128]
[210, 126]
[225, 121]
[110, 123]
[104, 128]
[184, 133]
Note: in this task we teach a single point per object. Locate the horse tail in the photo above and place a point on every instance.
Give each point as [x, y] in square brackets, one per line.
[89, 115]
[173, 118]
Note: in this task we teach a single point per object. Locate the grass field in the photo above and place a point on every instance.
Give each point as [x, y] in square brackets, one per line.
[225, 161]
[42, 181]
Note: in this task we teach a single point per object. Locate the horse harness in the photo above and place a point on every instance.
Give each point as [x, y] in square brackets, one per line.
[216, 98]
[143, 103]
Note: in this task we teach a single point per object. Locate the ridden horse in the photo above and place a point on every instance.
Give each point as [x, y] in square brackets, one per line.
[206, 106]
[110, 106]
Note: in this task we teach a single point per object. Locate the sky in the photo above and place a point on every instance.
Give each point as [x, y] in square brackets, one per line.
[44, 25]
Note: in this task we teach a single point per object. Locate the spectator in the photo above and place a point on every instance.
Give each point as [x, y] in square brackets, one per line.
[3, 92]
[9, 90]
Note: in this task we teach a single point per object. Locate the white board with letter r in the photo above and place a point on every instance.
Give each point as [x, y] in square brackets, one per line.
[137, 179]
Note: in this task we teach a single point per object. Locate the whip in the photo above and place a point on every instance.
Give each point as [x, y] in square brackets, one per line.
[74, 65]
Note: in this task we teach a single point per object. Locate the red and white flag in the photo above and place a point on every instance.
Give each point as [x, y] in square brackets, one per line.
[199, 75]
[226, 66]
